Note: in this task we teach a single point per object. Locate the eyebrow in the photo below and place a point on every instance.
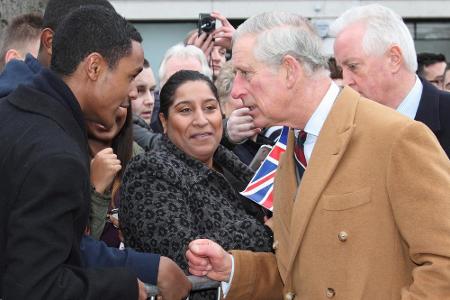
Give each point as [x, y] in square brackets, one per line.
[190, 101]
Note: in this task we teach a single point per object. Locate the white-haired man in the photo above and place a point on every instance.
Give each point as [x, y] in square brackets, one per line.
[181, 57]
[362, 222]
[378, 59]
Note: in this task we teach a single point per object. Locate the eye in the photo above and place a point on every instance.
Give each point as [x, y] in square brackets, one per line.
[185, 110]
[141, 90]
[244, 74]
[211, 108]
[352, 66]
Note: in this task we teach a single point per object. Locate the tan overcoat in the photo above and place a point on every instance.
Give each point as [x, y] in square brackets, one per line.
[370, 220]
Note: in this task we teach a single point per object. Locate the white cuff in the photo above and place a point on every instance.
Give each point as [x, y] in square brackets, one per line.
[227, 285]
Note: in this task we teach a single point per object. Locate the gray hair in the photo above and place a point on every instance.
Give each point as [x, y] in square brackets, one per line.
[185, 52]
[279, 34]
[384, 28]
[224, 81]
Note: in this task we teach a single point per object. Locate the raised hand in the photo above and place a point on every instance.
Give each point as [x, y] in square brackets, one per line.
[104, 167]
[240, 126]
[203, 41]
[223, 35]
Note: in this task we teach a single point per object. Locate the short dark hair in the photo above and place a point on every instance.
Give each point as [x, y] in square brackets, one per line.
[425, 59]
[22, 30]
[56, 10]
[167, 94]
[335, 70]
[91, 29]
[146, 63]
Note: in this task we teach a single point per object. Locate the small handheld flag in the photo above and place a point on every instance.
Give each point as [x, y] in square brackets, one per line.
[260, 187]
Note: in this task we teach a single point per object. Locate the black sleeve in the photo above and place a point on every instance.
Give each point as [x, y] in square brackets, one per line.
[46, 222]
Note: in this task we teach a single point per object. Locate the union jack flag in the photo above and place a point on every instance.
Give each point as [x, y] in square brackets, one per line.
[260, 187]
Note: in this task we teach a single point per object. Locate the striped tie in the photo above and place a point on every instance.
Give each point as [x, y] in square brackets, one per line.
[299, 154]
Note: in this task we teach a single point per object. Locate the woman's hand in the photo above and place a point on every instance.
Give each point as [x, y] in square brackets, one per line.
[104, 167]
[203, 41]
[223, 36]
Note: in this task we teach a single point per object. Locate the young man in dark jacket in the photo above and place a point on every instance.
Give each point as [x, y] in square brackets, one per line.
[150, 268]
[45, 163]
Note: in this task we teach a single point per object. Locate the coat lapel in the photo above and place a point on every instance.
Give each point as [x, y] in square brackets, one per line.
[328, 150]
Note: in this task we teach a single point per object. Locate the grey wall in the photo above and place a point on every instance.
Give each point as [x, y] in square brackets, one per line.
[158, 37]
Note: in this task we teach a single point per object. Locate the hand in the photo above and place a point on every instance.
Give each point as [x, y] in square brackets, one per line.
[240, 126]
[104, 167]
[204, 42]
[142, 292]
[172, 283]
[223, 35]
[207, 258]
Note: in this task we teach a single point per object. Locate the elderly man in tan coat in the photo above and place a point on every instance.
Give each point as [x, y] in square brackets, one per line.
[370, 216]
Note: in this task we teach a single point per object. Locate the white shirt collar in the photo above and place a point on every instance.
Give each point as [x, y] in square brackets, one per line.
[315, 123]
[410, 104]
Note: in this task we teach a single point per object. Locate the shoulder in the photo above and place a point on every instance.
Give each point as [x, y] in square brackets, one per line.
[160, 162]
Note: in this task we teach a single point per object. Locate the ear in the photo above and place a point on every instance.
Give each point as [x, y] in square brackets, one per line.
[291, 68]
[395, 58]
[47, 40]
[163, 122]
[94, 64]
[12, 54]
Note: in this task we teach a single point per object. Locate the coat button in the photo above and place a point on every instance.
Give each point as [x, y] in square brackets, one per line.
[342, 236]
[275, 245]
[289, 296]
[330, 293]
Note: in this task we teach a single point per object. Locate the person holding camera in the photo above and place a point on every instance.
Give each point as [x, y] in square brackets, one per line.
[213, 42]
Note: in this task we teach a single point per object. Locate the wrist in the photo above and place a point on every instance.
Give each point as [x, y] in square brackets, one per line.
[97, 189]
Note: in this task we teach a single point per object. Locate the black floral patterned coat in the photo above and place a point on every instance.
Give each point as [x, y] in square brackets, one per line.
[169, 199]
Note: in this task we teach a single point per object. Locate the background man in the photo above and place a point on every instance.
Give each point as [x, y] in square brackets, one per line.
[431, 67]
[376, 52]
[21, 36]
[361, 221]
[142, 105]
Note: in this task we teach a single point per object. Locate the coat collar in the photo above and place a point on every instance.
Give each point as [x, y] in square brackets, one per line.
[329, 149]
[428, 111]
[51, 98]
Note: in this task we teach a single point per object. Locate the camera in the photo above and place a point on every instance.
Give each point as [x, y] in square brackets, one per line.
[206, 23]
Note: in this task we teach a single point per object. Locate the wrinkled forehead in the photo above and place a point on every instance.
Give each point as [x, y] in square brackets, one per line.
[243, 50]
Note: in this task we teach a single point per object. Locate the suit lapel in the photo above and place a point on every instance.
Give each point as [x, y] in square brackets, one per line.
[328, 150]
[428, 110]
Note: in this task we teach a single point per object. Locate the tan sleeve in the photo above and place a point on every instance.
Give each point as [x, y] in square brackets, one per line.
[255, 276]
[419, 190]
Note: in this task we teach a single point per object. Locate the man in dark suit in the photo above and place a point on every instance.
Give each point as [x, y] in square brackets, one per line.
[45, 164]
[378, 59]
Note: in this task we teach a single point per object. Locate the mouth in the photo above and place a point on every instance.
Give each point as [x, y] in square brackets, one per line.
[201, 135]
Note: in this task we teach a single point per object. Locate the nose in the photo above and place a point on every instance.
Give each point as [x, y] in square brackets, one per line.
[125, 103]
[200, 118]
[132, 92]
[347, 77]
[149, 98]
[238, 90]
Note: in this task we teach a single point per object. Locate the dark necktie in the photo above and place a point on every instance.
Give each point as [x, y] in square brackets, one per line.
[299, 153]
